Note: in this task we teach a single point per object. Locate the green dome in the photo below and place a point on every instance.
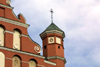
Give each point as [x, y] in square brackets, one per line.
[52, 26]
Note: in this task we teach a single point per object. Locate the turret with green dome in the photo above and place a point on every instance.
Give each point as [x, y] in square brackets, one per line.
[53, 48]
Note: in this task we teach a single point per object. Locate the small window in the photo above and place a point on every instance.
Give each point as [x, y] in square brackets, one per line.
[58, 47]
[45, 47]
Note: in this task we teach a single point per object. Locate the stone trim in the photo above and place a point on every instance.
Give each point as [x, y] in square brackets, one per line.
[21, 61]
[7, 31]
[23, 17]
[8, 58]
[21, 52]
[24, 35]
[48, 62]
[53, 57]
[15, 15]
[6, 6]
[33, 41]
[52, 31]
[26, 62]
[14, 22]
[56, 57]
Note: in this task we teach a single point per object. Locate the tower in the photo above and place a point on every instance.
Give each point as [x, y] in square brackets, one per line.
[53, 47]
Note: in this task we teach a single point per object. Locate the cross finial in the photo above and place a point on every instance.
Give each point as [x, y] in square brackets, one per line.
[51, 15]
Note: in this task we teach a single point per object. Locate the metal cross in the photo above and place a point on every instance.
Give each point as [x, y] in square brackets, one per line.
[51, 15]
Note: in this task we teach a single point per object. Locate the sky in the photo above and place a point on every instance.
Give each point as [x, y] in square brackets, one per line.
[79, 19]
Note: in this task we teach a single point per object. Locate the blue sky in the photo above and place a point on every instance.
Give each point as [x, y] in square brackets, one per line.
[79, 19]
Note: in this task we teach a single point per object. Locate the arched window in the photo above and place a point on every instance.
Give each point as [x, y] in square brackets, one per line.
[2, 60]
[16, 40]
[32, 63]
[16, 61]
[1, 36]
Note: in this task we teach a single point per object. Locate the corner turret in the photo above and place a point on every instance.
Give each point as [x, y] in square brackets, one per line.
[53, 47]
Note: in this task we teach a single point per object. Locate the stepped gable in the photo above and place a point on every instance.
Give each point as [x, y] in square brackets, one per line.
[7, 12]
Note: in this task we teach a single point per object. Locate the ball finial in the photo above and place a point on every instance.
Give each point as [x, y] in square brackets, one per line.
[8, 2]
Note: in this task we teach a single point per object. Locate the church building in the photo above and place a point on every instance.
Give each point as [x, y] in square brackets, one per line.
[17, 49]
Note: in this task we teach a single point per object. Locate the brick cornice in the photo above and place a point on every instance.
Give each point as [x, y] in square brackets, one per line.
[48, 62]
[7, 31]
[6, 6]
[14, 22]
[52, 31]
[56, 57]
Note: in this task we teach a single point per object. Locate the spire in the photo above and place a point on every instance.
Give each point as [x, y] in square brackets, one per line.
[51, 15]
[53, 28]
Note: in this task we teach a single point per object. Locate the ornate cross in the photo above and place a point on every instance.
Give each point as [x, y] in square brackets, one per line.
[51, 15]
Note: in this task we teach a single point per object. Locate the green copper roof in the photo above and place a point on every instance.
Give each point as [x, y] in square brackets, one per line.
[52, 26]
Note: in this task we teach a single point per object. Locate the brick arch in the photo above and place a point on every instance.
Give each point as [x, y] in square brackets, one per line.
[18, 56]
[32, 62]
[18, 30]
[3, 26]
